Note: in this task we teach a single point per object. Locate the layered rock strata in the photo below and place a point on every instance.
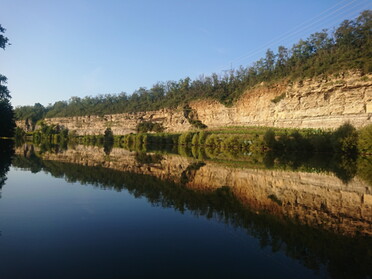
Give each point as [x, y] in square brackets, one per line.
[306, 104]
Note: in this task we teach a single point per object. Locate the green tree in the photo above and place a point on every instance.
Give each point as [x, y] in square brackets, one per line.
[3, 40]
[270, 60]
[7, 123]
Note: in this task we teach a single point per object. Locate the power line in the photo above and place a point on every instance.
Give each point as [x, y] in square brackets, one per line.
[294, 29]
[324, 16]
[289, 35]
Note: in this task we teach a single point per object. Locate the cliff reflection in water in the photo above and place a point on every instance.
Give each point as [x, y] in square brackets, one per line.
[313, 216]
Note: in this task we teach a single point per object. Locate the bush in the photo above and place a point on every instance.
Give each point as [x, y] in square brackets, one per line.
[212, 140]
[148, 126]
[202, 137]
[197, 124]
[299, 143]
[195, 139]
[184, 150]
[269, 139]
[185, 138]
[345, 139]
[321, 142]
[231, 142]
[277, 99]
[365, 140]
[19, 133]
[108, 136]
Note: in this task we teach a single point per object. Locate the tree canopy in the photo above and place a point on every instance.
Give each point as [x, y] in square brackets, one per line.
[7, 124]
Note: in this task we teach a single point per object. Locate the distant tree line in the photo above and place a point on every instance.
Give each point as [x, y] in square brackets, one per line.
[348, 47]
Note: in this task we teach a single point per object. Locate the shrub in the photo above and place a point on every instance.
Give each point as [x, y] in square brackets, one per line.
[148, 126]
[202, 137]
[365, 140]
[184, 150]
[195, 139]
[321, 142]
[108, 136]
[185, 138]
[212, 140]
[277, 99]
[19, 133]
[269, 139]
[345, 139]
[197, 124]
[231, 142]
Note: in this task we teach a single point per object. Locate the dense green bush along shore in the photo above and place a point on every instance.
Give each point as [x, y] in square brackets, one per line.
[341, 151]
[344, 140]
[150, 149]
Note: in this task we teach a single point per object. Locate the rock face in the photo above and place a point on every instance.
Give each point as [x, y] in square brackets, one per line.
[307, 104]
[315, 199]
[120, 124]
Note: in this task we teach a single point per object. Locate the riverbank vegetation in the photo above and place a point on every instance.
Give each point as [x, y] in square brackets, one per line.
[347, 47]
[344, 140]
[341, 151]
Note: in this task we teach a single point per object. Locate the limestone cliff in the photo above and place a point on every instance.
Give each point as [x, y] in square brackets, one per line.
[307, 104]
[311, 103]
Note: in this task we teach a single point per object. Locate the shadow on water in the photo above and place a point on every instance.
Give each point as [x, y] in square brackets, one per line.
[312, 246]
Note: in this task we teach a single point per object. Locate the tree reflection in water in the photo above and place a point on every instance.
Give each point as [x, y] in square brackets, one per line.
[6, 153]
[312, 246]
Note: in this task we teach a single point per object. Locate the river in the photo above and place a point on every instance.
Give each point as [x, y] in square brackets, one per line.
[89, 212]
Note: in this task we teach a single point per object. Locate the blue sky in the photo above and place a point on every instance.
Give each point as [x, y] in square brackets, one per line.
[86, 47]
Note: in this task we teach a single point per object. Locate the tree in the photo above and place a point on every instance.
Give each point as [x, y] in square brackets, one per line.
[7, 123]
[3, 40]
[6, 152]
[282, 56]
[269, 60]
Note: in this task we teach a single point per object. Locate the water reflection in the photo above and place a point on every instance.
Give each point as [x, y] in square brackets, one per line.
[288, 204]
[344, 166]
[6, 152]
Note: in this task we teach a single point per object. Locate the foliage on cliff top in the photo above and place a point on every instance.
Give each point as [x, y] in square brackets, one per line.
[349, 47]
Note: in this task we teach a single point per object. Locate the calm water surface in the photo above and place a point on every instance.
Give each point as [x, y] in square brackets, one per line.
[60, 219]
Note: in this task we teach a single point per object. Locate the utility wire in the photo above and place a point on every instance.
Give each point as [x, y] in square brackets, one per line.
[324, 16]
[254, 52]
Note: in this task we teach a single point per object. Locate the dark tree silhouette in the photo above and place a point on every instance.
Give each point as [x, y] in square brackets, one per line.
[6, 152]
[7, 123]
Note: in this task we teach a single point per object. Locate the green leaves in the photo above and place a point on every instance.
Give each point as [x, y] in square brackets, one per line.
[3, 40]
